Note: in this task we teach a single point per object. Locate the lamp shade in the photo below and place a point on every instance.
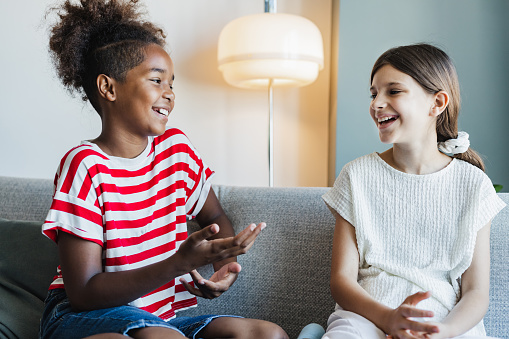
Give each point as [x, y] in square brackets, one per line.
[285, 48]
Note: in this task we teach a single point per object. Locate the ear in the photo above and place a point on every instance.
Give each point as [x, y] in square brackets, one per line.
[440, 102]
[106, 87]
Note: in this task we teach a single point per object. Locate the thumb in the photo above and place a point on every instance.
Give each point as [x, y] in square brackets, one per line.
[234, 267]
[205, 233]
[416, 298]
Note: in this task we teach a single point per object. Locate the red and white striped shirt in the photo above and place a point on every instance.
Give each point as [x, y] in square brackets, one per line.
[136, 209]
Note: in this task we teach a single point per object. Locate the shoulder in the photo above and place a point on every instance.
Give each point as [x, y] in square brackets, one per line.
[175, 144]
[171, 133]
[469, 176]
[80, 154]
[365, 163]
[172, 137]
[75, 165]
[354, 171]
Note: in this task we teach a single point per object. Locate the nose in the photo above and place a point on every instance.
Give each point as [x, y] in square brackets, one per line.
[169, 94]
[378, 102]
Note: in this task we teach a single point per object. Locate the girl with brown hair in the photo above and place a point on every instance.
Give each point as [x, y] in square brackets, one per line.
[410, 254]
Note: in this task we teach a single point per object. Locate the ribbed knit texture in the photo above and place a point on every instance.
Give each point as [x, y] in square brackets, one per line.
[414, 232]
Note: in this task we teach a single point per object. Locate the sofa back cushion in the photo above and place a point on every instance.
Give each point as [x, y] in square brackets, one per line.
[28, 262]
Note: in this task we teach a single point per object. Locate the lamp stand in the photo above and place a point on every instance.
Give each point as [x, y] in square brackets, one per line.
[271, 133]
[271, 7]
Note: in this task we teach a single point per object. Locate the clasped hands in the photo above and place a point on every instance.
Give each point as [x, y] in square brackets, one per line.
[200, 250]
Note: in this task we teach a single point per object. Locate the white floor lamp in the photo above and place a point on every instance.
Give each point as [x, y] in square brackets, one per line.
[269, 50]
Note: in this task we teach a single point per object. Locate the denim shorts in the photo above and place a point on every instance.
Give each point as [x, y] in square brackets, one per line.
[59, 321]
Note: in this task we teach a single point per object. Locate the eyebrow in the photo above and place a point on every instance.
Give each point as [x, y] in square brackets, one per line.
[388, 85]
[161, 70]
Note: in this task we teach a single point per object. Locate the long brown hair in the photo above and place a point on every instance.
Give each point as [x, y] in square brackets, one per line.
[434, 71]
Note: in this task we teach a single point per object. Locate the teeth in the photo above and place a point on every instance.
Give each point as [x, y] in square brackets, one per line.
[385, 119]
[164, 111]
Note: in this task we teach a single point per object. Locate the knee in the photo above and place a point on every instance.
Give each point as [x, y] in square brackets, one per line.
[268, 330]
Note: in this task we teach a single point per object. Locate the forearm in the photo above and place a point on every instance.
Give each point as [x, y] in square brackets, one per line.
[475, 287]
[212, 213]
[352, 297]
[111, 289]
[467, 313]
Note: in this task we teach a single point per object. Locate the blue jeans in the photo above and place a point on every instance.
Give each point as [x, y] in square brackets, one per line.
[59, 321]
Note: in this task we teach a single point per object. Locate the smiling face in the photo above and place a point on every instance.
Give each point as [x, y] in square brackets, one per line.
[145, 99]
[400, 107]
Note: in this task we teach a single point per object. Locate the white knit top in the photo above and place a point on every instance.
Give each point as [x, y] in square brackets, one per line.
[414, 232]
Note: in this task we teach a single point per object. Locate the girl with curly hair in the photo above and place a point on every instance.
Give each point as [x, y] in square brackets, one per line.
[121, 200]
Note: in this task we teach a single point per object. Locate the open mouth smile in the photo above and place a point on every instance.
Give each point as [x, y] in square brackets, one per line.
[386, 121]
[162, 111]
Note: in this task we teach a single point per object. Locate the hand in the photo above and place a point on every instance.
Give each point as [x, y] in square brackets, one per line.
[441, 334]
[198, 250]
[218, 283]
[399, 326]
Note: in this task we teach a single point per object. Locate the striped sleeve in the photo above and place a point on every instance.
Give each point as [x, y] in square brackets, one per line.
[75, 207]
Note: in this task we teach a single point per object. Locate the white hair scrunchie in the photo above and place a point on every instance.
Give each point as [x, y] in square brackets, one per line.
[455, 146]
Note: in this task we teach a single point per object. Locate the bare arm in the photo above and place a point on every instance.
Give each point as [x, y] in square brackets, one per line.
[213, 213]
[352, 297]
[88, 287]
[475, 288]
[227, 270]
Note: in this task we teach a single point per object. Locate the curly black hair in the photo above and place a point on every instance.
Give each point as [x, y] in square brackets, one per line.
[95, 37]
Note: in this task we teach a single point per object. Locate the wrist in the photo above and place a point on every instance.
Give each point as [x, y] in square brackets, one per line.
[384, 322]
[448, 331]
[178, 264]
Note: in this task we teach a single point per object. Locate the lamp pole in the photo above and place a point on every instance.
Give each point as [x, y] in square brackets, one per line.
[271, 7]
[271, 133]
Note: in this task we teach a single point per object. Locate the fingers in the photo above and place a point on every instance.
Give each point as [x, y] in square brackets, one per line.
[416, 298]
[408, 311]
[422, 327]
[219, 283]
[204, 233]
[197, 278]
[238, 245]
[190, 288]
[245, 239]
[199, 249]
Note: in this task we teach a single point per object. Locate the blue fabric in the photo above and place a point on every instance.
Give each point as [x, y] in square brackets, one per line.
[59, 321]
[311, 331]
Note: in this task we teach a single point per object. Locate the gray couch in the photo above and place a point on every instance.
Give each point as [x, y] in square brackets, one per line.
[285, 276]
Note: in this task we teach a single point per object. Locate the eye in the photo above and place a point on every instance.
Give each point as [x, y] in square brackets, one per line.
[157, 81]
[372, 96]
[394, 91]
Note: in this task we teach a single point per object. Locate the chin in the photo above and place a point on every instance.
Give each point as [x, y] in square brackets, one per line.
[158, 131]
[385, 139]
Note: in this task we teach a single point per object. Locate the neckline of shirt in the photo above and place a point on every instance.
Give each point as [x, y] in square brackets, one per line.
[439, 173]
[124, 162]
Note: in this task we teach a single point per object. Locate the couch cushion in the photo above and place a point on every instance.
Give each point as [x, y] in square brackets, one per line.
[285, 275]
[28, 263]
[495, 320]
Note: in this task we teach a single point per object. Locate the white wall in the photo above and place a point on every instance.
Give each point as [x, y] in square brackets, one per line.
[39, 121]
